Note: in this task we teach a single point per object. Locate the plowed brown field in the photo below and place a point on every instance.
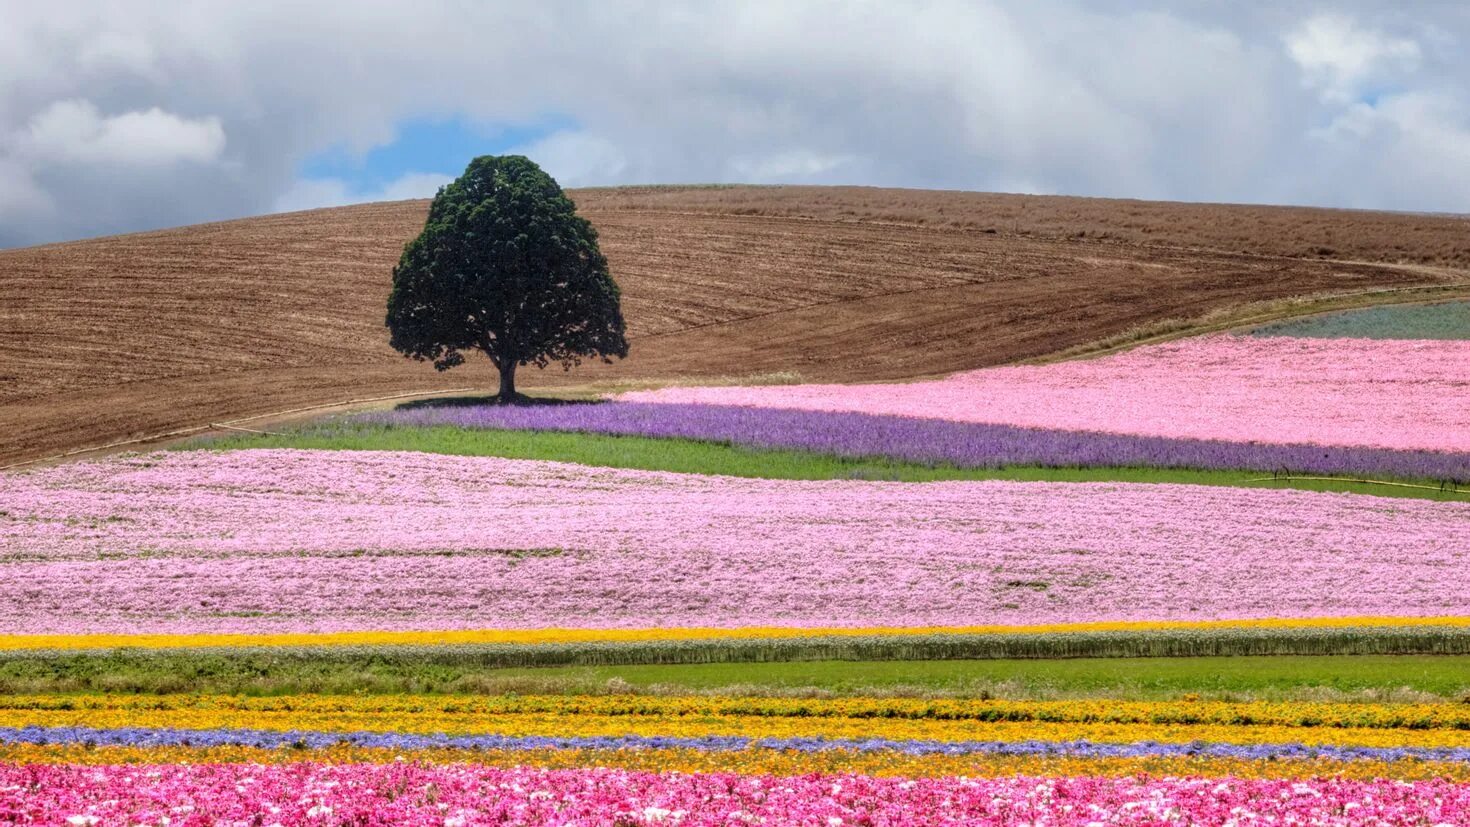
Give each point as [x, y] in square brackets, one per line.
[135, 335]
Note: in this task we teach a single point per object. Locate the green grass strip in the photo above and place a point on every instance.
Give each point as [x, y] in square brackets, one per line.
[451, 668]
[1321, 677]
[696, 457]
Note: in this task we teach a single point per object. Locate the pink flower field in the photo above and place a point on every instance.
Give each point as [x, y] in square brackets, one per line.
[1399, 394]
[287, 540]
[460, 795]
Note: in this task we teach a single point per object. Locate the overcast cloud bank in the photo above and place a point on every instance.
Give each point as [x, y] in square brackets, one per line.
[141, 115]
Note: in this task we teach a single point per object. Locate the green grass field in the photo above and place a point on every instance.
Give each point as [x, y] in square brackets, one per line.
[1357, 677]
[695, 457]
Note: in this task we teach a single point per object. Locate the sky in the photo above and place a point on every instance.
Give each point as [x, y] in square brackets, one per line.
[123, 116]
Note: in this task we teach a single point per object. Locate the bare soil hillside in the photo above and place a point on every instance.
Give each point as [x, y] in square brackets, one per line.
[118, 337]
[1294, 232]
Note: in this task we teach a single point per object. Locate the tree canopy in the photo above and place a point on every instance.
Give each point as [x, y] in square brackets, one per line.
[505, 266]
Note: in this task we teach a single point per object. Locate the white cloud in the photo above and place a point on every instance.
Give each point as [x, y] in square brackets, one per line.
[577, 158]
[19, 193]
[117, 53]
[73, 131]
[1341, 59]
[1236, 102]
[1395, 127]
[791, 165]
[311, 193]
[70, 169]
[413, 185]
[1422, 138]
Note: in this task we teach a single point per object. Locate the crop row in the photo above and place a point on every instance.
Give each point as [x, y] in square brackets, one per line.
[289, 541]
[775, 761]
[1448, 320]
[467, 713]
[1427, 731]
[416, 665]
[671, 725]
[913, 439]
[1396, 394]
[686, 635]
[465, 794]
[1182, 760]
[473, 745]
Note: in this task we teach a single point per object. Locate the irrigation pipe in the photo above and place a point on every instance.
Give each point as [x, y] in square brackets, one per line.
[1439, 488]
[227, 424]
[244, 430]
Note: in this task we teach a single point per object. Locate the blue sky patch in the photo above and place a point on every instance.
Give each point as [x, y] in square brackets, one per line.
[442, 145]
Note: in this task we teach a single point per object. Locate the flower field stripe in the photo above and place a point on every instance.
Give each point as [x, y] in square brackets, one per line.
[1393, 394]
[1405, 639]
[1446, 320]
[531, 637]
[1300, 714]
[400, 741]
[916, 439]
[282, 541]
[470, 794]
[762, 761]
[595, 726]
[1409, 726]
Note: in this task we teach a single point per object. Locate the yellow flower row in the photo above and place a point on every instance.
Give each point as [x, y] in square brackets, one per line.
[1291, 714]
[653, 726]
[762, 761]
[898, 719]
[541, 636]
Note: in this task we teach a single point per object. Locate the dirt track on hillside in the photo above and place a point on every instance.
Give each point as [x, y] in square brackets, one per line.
[121, 337]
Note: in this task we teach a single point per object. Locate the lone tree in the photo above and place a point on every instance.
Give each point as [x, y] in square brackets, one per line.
[505, 266]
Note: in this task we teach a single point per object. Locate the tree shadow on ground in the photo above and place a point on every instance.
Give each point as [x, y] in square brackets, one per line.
[491, 399]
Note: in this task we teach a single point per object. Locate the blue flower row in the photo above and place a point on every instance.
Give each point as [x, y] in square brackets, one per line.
[267, 739]
[928, 441]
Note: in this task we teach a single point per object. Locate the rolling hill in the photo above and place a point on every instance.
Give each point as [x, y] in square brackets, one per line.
[116, 338]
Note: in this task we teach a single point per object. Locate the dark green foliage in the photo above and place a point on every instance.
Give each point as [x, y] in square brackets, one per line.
[505, 266]
[474, 667]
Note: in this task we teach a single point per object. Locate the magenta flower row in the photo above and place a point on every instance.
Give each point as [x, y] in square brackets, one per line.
[460, 795]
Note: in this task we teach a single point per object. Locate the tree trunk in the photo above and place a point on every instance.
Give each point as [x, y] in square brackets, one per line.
[507, 382]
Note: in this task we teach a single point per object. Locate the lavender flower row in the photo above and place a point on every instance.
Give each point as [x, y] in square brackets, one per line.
[267, 739]
[931, 441]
